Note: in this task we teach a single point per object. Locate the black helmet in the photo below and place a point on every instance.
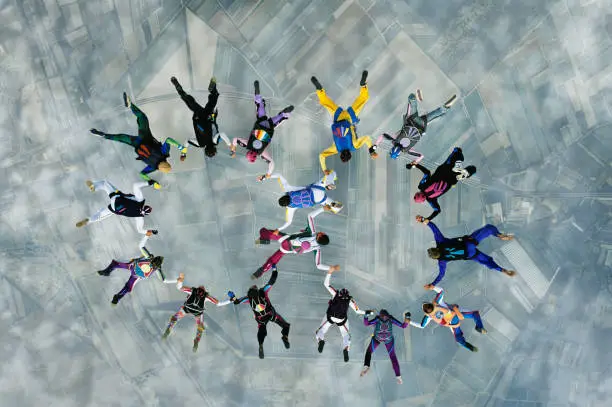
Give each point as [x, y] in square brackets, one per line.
[344, 294]
[384, 314]
[253, 292]
[201, 291]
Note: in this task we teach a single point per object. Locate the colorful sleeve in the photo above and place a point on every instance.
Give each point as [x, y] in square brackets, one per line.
[323, 267]
[326, 282]
[423, 323]
[241, 300]
[180, 287]
[271, 281]
[395, 322]
[441, 272]
[439, 296]
[332, 150]
[212, 299]
[311, 217]
[355, 308]
[368, 322]
[268, 158]
[289, 212]
[147, 170]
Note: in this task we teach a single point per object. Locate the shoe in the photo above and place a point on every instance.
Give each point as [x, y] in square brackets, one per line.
[481, 330]
[364, 78]
[90, 185]
[212, 85]
[96, 132]
[175, 82]
[288, 109]
[126, 100]
[399, 379]
[261, 352]
[365, 371]
[255, 276]
[166, 333]
[316, 83]
[450, 101]
[183, 154]
[320, 346]
[509, 273]
[286, 342]
[419, 95]
[471, 347]
[107, 271]
[262, 241]
[256, 85]
[195, 345]
[116, 299]
[345, 354]
[82, 223]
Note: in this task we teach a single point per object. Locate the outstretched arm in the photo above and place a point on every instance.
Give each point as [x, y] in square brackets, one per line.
[402, 325]
[361, 141]
[433, 202]
[140, 225]
[143, 249]
[144, 174]
[424, 170]
[329, 288]
[423, 323]
[436, 232]
[172, 142]
[288, 218]
[441, 272]
[327, 153]
[386, 137]
[225, 139]
[137, 188]
[320, 266]
[268, 158]
[368, 322]
[355, 308]
[285, 186]
[311, 217]
[180, 286]
[440, 294]
[271, 281]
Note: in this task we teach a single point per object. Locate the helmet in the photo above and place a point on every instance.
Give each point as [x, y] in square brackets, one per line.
[201, 291]
[251, 156]
[210, 150]
[146, 210]
[383, 314]
[157, 261]
[345, 155]
[419, 197]
[253, 292]
[395, 152]
[344, 294]
[164, 167]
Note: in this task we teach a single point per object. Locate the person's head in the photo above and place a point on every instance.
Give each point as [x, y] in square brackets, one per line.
[428, 307]
[284, 200]
[164, 167]
[433, 253]
[251, 156]
[210, 150]
[146, 210]
[419, 197]
[157, 262]
[383, 314]
[345, 155]
[253, 292]
[344, 294]
[395, 152]
[322, 239]
[201, 291]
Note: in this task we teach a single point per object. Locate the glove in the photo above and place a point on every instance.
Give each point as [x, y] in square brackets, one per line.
[231, 295]
[373, 149]
[154, 231]
[156, 185]
[151, 182]
[407, 314]
[369, 312]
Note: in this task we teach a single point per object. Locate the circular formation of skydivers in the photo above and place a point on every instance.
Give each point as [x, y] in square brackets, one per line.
[432, 186]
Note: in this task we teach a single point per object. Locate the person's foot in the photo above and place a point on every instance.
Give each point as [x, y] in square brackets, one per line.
[116, 299]
[320, 345]
[257, 274]
[288, 109]
[505, 236]
[96, 132]
[409, 166]
[166, 333]
[450, 101]
[509, 273]
[126, 100]
[261, 352]
[316, 83]
[419, 95]
[82, 223]
[212, 85]
[262, 241]
[256, 86]
[286, 342]
[481, 330]
[345, 354]
[106, 272]
[183, 155]
[175, 82]
[399, 379]
[364, 78]
[364, 371]
[195, 345]
[471, 347]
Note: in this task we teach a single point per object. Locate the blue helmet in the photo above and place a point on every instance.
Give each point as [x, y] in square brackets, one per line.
[395, 152]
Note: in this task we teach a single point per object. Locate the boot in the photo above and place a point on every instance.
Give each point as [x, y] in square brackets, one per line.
[262, 241]
[166, 333]
[176, 84]
[82, 223]
[256, 86]
[450, 101]
[286, 342]
[212, 85]
[96, 132]
[195, 345]
[364, 78]
[316, 83]
[345, 353]
[288, 109]
[109, 269]
[321, 344]
[116, 299]
[126, 100]
[471, 347]
[481, 330]
[261, 352]
[257, 274]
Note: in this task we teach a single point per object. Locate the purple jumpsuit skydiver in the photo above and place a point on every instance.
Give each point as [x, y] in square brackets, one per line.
[383, 333]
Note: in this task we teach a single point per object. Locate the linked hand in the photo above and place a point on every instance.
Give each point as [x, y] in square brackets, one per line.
[428, 287]
[156, 185]
[181, 277]
[276, 232]
[328, 172]
[334, 268]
